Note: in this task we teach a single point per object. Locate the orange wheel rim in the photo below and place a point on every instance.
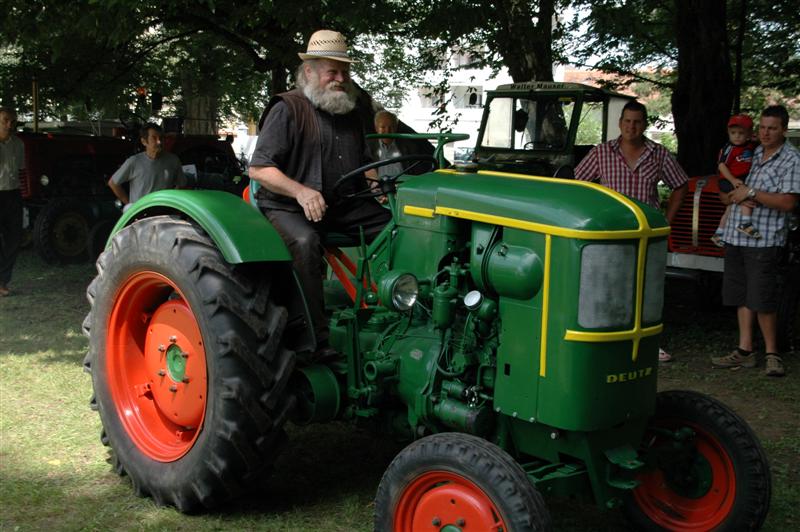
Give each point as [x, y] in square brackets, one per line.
[156, 366]
[438, 499]
[674, 511]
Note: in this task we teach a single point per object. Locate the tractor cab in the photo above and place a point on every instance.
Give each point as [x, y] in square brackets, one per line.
[545, 128]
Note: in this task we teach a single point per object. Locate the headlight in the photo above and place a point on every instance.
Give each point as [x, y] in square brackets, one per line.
[44, 180]
[608, 281]
[655, 270]
[399, 291]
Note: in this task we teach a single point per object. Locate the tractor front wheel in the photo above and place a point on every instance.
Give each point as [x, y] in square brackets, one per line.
[457, 482]
[707, 469]
[187, 363]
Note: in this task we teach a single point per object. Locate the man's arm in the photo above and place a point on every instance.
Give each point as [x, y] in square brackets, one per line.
[675, 200]
[121, 176]
[118, 191]
[274, 180]
[589, 168]
[779, 201]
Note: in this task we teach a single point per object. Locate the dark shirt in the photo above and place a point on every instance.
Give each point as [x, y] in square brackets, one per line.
[315, 157]
[343, 149]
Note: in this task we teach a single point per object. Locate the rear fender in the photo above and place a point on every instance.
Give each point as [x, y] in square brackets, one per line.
[240, 231]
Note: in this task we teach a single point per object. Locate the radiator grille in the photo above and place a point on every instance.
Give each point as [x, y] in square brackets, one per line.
[710, 211]
[24, 184]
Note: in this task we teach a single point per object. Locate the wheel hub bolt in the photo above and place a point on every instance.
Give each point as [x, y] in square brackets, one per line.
[162, 347]
[436, 521]
[461, 521]
[173, 339]
[161, 373]
[173, 388]
[185, 380]
[184, 354]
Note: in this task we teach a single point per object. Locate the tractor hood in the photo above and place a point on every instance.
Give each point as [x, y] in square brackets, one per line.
[541, 204]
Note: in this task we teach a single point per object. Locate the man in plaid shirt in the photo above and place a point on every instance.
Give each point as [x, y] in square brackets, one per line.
[633, 165]
[750, 280]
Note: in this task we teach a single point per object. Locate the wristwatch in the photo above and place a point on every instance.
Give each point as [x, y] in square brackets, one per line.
[751, 193]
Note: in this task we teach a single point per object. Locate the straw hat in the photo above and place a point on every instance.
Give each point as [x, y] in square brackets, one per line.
[327, 44]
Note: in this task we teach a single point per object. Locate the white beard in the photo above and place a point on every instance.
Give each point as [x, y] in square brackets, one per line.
[329, 100]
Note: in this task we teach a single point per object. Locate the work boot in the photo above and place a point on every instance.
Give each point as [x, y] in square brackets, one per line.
[738, 358]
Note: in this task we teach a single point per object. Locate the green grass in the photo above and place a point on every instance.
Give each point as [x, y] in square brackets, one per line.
[54, 473]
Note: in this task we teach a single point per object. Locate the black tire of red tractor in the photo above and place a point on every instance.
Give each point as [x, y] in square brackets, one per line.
[486, 465]
[247, 365]
[60, 231]
[98, 236]
[753, 484]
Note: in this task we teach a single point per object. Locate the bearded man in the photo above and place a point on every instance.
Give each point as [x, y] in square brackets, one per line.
[311, 136]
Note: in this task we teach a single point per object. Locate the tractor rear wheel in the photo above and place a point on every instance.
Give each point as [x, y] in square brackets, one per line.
[187, 362]
[714, 478]
[452, 481]
[60, 231]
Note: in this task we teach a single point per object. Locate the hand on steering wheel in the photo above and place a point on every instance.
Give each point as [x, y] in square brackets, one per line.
[385, 185]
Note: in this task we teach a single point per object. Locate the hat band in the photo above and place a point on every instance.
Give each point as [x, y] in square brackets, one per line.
[324, 53]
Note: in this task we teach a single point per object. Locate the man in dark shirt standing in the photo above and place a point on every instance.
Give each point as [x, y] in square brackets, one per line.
[311, 136]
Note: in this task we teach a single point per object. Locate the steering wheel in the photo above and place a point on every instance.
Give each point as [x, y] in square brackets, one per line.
[385, 184]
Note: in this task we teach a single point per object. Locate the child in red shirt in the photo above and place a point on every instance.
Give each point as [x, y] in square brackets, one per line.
[735, 159]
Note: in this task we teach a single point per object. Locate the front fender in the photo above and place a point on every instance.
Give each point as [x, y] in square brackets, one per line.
[240, 231]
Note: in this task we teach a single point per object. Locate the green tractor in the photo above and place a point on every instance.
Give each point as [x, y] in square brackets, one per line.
[507, 325]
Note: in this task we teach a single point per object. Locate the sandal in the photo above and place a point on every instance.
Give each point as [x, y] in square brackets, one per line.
[774, 366]
[749, 229]
[664, 357]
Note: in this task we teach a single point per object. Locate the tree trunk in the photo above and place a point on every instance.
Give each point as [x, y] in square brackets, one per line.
[738, 47]
[701, 101]
[527, 46]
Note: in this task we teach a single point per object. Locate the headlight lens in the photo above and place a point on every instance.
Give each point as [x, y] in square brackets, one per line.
[654, 273]
[398, 290]
[44, 180]
[608, 281]
[404, 292]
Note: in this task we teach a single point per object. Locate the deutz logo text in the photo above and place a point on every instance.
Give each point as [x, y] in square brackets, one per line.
[628, 375]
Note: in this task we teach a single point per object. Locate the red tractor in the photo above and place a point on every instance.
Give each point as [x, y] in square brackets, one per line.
[70, 208]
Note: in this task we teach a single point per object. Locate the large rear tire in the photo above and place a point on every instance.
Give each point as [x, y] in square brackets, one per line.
[187, 362]
[719, 479]
[460, 482]
[60, 231]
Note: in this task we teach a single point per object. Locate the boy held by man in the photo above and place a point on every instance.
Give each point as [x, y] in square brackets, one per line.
[735, 159]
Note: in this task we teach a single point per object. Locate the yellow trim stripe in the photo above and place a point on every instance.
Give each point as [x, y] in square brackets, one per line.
[418, 211]
[625, 200]
[640, 266]
[545, 306]
[616, 336]
[550, 229]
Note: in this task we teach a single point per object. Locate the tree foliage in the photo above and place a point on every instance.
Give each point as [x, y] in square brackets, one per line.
[89, 56]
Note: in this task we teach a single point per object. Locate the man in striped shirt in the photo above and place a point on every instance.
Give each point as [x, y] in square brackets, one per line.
[750, 279]
[633, 165]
